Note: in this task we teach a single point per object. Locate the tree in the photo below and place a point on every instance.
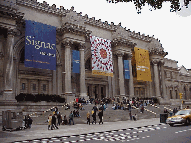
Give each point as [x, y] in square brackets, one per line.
[155, 4]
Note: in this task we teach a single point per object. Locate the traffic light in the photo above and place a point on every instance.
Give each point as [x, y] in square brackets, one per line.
[180, 95]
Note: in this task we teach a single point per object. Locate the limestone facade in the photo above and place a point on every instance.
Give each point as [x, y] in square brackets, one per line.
[73, 31]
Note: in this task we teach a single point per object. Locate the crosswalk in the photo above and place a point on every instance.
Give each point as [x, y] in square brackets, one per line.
[121, 135]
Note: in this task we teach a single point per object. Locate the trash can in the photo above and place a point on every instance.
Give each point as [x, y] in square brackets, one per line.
[163, 117]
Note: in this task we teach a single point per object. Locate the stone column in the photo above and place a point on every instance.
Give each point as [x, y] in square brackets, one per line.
[8, 90]
[163, 81]
[54, 82]
[156, 78]
[121, 76]
[68, 85]
[83, 93]
[131, 86]
[59, 78]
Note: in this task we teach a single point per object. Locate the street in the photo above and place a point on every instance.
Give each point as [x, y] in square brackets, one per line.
[158, 133]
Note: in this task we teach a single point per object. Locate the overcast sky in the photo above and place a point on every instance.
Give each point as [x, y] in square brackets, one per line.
[172, 29]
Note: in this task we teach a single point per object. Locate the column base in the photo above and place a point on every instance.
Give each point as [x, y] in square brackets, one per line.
[84, 95]
[69, 98]
[8, 97]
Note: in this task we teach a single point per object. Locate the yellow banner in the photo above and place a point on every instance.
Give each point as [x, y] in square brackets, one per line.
[142, 64]
[98, 72]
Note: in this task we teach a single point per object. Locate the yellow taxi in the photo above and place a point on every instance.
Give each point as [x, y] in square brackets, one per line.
[181, 117]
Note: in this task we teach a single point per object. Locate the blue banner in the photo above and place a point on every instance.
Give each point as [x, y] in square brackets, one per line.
[75, 61]
[40, 45]
[126, 69]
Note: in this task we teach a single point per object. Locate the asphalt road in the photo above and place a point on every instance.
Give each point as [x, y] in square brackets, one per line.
[159, 133]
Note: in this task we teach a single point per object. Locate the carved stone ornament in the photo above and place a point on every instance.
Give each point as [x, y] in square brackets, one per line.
[157, 51]
[67, 43]
[75, 29]
[82, 46]
[11, 32]
[130, 55]
[122, 42]
[119, 53]
[155, 61]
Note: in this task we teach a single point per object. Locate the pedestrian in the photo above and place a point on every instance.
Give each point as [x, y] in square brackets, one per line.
[54, 122]
[65, 122]
[88, 117]
[94, 118]
[95, 108]
[135, 117]
[100, 114]
[59, 117]
[130, 115]
[29, 121]
[71, 116]
[50, 122]
[174, 111]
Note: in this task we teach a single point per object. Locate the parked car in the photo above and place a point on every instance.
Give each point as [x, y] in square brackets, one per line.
[181, 117]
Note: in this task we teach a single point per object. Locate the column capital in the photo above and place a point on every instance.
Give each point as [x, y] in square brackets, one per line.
[67, 43]
[119, 53]
[130, 55]
[81, 46]
[11, 32]
[155, 61]
[162, 62]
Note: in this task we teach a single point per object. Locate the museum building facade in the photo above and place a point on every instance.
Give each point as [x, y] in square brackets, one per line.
[73, 31]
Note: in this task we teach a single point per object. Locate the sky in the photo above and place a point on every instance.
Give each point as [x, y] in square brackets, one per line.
[173, 29]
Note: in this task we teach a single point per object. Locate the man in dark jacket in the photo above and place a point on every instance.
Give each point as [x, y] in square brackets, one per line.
[100, 114]
[54, 122]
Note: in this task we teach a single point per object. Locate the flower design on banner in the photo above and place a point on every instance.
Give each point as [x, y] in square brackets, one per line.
[101, 56]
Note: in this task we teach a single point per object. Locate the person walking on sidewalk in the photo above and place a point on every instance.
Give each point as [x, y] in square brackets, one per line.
[29, 121]
[88, 117]
[94, 118]
[54, 121]
[71, 116]
[59, 117]
[100, 114]
[50, 122]
[130, 115]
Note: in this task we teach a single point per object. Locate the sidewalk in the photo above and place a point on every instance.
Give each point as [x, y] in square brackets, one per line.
[41, 131]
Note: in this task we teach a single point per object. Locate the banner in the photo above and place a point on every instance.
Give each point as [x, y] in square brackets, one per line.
[40, 45]
[75, 61]
[126, 69]
[142, 64]
[101, 56]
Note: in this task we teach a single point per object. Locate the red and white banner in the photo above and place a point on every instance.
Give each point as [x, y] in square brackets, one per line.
[101, 56]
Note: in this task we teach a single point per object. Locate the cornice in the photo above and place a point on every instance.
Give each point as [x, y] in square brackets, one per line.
[139, 36]
[99, 23]
[43, 7]
[11, 13]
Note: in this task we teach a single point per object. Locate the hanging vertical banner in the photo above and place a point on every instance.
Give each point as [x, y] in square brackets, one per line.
[142, 64]
[101, 56]
[126, 69]
[40, 45]
[75, 61]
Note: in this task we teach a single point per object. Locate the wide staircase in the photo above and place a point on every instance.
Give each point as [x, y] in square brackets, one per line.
[109, 114]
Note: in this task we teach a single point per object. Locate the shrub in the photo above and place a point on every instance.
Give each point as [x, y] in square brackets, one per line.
[39, 97]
